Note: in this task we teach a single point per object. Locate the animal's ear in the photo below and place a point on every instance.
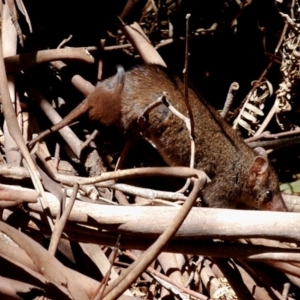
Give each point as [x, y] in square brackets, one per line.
[258, 169]
[260, 165]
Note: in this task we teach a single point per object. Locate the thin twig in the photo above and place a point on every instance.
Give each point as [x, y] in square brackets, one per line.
[16, 134]
[167, 278]
[56, 155]
[151, 171]
[135, 269]
[268, 135]
[68, 135]
[82, 85]
[64, 41]
[267, 120]
[190, 126]
[102, 286]
[232, 90]
[11, 193]
[234, 278]
[91, 137]
[134, 33]
[60, 224]
[26, 61]
[23, 10]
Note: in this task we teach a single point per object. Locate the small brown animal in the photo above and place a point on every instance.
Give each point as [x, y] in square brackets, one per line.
[240, 177]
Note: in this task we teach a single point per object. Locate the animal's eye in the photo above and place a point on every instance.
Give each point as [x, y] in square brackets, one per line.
[269, 195]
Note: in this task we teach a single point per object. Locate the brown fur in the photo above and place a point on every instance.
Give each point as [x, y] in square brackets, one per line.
[240, 176]
[104, 104]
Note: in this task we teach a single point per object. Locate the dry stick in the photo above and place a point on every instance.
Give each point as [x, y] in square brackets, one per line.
[91, 137]
[189, 122]
[19, 115]
[167, 289]
[68, 135]
[71, 139]
[163, 43]
[208, 277]
[125, 149]
[294, 280]
[134, 33]
[170, 266]
[138, 267]
[103, 284]
[52, 173]
[11, 204]
[56, 155]
[14, 19]
[18, 258]
[185, 172]
[286, 290]
[9, 43]
[144, 192]
[139, 40]
[100, 62]
[131, 173]
[140, 122]
[16, 134]
[227, 225]
[234, 279]
[260, 278]
[292, 10]
[8, 194]
[288, 268]
[274, 136]
[15, 172]
[181, 172]
[26, 61]
[47, 168]
[84, 212]
[132, 9]
[23, 10]
[117, 47]
[163, 100]
[276, 143]
[232, 90]
[60, 224]
[53, 270]
[64, 41]
[12, 289]
[166, 278]
[186, 245]
[262, 292]
[101, 261]
[266, 120]
[82, 85]
[121, 198]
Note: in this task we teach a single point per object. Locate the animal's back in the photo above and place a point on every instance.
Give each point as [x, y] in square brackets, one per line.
[238, 173]
[168, 131]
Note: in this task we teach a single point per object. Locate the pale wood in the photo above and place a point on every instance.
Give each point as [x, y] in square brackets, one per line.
[200, 223]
